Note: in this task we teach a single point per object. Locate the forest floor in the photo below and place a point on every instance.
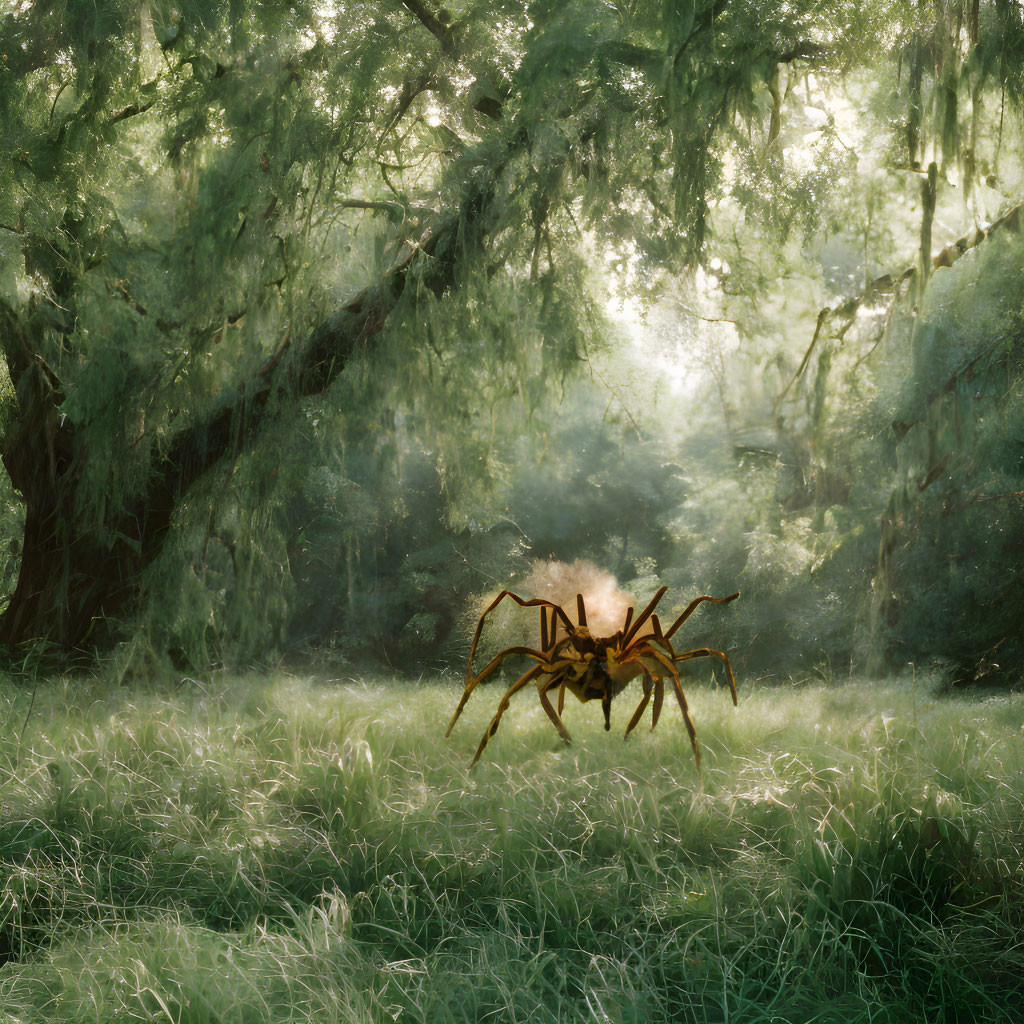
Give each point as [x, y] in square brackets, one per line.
[286, 849]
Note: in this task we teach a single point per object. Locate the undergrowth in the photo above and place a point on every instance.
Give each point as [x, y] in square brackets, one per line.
[243, 850]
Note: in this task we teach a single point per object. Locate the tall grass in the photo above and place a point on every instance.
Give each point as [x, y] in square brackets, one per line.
[246, 850]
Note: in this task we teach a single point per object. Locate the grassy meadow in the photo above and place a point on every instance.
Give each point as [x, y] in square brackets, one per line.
[240, 850]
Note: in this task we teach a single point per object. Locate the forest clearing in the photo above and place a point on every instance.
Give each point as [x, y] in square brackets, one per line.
[291, 849]
[372, 370]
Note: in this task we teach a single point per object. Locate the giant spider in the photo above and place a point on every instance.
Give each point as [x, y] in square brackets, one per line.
[593, 668]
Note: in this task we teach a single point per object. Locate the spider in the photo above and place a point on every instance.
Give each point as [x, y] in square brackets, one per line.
[593, 668]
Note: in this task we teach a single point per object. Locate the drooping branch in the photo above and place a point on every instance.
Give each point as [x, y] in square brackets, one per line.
[394, 209]
[890, 286]
[823, 315]
[308, 369]
[928, 196]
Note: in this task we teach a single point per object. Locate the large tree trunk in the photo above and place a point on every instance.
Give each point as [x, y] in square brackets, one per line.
[67, 575]
[39, 455]
[71, 576]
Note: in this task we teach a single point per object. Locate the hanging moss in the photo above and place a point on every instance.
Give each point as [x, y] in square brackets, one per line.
[283, 278]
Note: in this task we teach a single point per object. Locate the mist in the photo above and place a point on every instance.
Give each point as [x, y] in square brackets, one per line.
[326, 326]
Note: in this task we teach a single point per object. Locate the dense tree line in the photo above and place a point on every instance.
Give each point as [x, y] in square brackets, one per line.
[304, 310]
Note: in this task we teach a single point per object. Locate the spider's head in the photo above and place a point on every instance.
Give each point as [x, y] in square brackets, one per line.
[583, 641]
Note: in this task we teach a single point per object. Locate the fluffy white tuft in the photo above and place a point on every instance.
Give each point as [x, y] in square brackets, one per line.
[560, 582]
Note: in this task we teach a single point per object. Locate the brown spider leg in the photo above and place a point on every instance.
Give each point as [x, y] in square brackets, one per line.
[643, 616]
[660, 636]
[640, 646]
[707, 652]
[656, 680]
[648, 685]
[635, 653]
[556, 719]
[581, 610]
[561, 687]
[549, 633]
[473, 681]
[692, 605]
[681, 697]
[530, 652]
[659, 699]
[544, 657]
[526, 677]
[534, 602]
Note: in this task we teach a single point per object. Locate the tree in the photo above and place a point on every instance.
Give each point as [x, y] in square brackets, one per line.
[217, 211]
[262, 129]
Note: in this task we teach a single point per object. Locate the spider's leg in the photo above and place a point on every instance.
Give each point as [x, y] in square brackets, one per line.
[473, 681]
[707, 652]
[549, 632]
[526, 677]
[530, 652]
[642, 706]
[606, 708]
[660, 636]
[556, 719]
[643, 616]
[546, 657]
[693, 604]
[535, 602]
[683, 706]
[638, 714]
[561, 696]
[639, 650]
[659, 699]
[581, 610]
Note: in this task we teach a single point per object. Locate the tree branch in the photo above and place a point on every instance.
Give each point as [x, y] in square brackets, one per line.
[437, 25]
[410, 90]
[131, 110]
[887, 285]
[391, 208]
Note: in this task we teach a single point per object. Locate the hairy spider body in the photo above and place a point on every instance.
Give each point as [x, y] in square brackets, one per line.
[569, 659]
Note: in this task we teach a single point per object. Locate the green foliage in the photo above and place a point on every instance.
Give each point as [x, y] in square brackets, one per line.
[205, 198]
[946, 423]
